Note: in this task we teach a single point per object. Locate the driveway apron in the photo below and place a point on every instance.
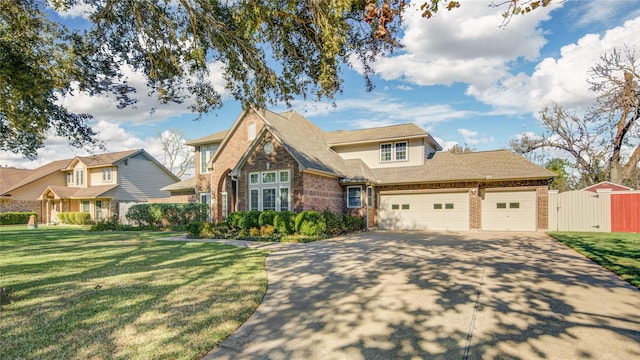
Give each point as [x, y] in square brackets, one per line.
[387, 295]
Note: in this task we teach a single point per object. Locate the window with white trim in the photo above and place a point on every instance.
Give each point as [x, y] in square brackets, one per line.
[106, 174]
[270, 190]
[70, 177]
[251, 130]
[354, 197]
[369, 196]
[205, 198]
[206, 152]
[225, 205]
[398, 151]
[80, 177]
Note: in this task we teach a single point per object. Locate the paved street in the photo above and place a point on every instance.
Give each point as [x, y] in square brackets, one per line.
[386, 295]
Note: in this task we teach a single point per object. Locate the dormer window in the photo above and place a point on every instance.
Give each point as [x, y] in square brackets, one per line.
[79, 177]
[106, 174]
[70, 177]
[397, 151]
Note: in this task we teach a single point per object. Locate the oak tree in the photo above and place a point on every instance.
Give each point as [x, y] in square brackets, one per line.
[271, 51]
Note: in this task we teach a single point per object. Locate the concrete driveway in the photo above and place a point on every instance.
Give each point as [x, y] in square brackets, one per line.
[385, 295]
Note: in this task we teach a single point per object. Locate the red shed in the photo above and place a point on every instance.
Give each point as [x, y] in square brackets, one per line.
[607, 185]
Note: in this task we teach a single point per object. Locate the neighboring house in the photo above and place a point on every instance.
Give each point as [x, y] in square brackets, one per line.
[20, 188]
[607, 185]
[182, 191]
[394, 176]
[95, 184]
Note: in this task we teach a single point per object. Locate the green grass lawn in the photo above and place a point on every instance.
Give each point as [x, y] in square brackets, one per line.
[618, 252]
[76, 294]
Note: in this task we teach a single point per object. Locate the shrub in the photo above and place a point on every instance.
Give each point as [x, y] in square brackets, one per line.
[310, 223]
[267, 231]
[82, 218]
[139, 214]
[254, 232]
[194, 229]
[233, 220]
[16, 217]
[335, 225]
[250, 219]
[266, 217]
[284, 222]
[172, 215]
[207, 230]
[353, 223]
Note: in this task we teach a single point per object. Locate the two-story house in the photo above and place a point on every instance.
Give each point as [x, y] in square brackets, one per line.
[98, 184]
[396, 176]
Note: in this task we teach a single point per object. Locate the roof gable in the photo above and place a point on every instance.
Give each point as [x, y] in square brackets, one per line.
[607, 185]
[39, 173]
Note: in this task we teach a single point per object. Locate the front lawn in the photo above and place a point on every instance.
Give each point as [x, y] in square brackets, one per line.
[75, 294]
[618, 252]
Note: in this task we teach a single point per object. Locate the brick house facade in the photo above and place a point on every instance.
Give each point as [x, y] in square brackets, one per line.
[285, 162]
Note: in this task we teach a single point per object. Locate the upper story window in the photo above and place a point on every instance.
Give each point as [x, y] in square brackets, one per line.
[80, 177]
[251, 130]
[397, 151]
[70, 177]
[206, 152]
[107, 174]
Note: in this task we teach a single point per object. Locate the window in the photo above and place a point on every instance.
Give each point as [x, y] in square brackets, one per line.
[437, 206]
[284, 176]
[405, 207]
[270, 190]
[98, 215]
[225, 205]
[70, 177]
[501, 205]
[401, 151]
[268, 199]
[385, 152]
[515, 205]
[284, 199]
[369, 196]
[205, 198]
[206, 152]
[395, 206]
[354, 197]
[254, 199]
[448, 206]
[394, 151]
[86, 206]
[251, 130]
[269, 177]
[106, 174]
[79, 177]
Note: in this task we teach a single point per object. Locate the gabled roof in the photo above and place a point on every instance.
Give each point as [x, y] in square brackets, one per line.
[9, 176]
[607, 185]
[104, 159]
[378, 134]
[474, 166]
[186, 184]
[37, 174]
[64, 192]
[212, 138]
[304, 141]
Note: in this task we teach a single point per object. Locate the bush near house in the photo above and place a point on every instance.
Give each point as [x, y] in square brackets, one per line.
[270, 225]
[74, 218]
[16, 217]
[166, 215]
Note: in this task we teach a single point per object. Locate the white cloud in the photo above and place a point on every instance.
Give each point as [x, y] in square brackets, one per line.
[472, 137]
[446, 145]
[464, 45]
[104, 107]
[562, 80]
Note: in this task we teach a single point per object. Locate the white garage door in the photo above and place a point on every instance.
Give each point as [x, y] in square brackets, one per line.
[446, 211]
[510, 211]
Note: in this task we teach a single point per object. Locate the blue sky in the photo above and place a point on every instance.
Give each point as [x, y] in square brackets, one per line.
[459, 76]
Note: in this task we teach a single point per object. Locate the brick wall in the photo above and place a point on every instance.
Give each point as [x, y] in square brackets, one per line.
[323, 193]
[10, 205]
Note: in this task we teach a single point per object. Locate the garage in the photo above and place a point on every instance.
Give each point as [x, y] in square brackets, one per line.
[509, 211]
[420, 211]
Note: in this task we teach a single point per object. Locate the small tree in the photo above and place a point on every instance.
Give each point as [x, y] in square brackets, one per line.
[177, 156]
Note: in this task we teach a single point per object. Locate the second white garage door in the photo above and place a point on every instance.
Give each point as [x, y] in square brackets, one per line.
[509, 211]
[446, 211]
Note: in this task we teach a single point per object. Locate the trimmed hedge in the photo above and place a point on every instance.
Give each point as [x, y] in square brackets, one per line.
[159, 215]
[74, 218]
[16, 217]
[310, 223]
[284, 222]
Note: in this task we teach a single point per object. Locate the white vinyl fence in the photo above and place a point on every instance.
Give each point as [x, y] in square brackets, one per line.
[580, 211]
